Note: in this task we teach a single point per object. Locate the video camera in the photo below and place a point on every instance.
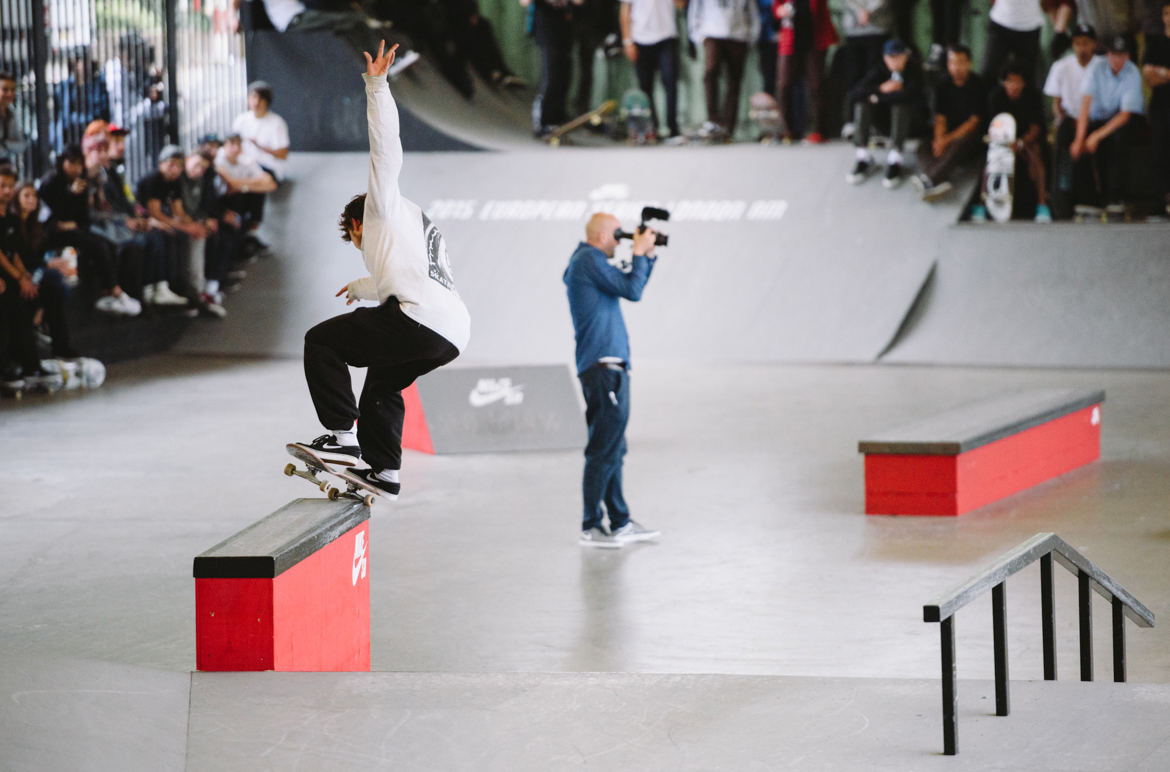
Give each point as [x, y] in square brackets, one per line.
[648, 213]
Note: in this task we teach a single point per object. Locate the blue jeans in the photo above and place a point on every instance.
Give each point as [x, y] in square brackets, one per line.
[607, 411]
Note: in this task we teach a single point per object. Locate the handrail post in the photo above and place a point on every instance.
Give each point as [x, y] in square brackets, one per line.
[950, 696]
[1003, 704]
[1118, 640]
[1048, 616]
[1085, 604]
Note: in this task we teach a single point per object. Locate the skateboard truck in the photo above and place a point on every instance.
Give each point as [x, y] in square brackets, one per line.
[350, 492]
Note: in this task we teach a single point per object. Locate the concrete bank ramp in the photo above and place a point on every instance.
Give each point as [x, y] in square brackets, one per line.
[1064, 295]
[772, 256]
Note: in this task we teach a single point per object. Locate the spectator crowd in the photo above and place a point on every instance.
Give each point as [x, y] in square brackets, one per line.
[174, 241]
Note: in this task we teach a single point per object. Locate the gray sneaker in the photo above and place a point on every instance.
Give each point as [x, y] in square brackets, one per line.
[595, 537]
[632, 532]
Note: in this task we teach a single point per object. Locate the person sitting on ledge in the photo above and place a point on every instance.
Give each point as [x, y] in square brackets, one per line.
[960, 112]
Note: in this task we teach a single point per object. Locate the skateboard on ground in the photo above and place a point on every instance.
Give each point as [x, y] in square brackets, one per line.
[355, 487]
[639, 119]
[764, 110]
[593, 117]
[999, 177]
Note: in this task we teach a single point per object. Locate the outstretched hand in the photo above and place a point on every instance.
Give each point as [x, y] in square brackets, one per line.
[379, 66]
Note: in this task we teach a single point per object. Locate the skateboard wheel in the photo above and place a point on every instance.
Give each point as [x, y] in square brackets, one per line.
[555, 142]
[368, 500]
[323, 486]
[290, 469]
[333, 493]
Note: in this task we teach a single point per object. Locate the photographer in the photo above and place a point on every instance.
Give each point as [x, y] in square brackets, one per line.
[603, 362]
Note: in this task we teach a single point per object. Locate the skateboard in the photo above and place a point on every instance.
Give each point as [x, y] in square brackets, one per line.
[999, 177]
[766, 113]
[41, 384]
[593, 117]
[639, 119]
[355, 487]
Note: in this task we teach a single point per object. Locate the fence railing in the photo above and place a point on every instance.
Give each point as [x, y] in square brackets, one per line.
[1043, 547]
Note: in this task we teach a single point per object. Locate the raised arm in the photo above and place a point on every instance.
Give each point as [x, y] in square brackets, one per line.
[385, 143]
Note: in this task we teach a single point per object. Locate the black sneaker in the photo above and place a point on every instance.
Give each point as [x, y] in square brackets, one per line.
[860, 173]
[893, 176]
[327, 447]
[389, 489]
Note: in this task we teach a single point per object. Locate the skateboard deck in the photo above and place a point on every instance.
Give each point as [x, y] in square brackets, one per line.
[355, 487]
[638, 116]
[1001, 167]
[593, 116]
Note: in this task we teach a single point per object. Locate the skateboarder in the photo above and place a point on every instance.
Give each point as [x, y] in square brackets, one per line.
[420, 323]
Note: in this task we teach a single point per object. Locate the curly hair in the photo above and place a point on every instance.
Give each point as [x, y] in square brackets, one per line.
[354, 210]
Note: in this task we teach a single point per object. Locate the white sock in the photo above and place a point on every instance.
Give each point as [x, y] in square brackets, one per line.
[346, 436]
[863, 154]
[212, 286]
[894, 157]
[388, 475]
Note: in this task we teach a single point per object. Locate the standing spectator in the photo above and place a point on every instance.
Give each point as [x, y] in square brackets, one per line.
[806, 35]
[1019, 99]
[1013, 28]
[603, 364]
[12, 139]
[1064, 86]
[960, 113]
[162, 194]
[867, 25]
[79, 100]
[552, 26]
[149, 123]
[591, 24]
[48, 290]
[767, 44]
[65, 192]
[1062, 14]
[265, 134]
[1156, 68]
[1112, 95]
[946, 27]
[888, 95]
[650, 41]
[1113, 18]
[725, 29]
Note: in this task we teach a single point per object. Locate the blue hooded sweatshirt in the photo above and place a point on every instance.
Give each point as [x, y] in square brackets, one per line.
[594, 287]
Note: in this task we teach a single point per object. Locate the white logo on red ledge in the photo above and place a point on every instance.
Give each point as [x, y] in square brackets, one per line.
[1095, 416]
[359, 556]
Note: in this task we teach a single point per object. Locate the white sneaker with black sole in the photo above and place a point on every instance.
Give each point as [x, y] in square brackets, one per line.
[596, 537]
[861, 171]
[328, 448]
[633, 532]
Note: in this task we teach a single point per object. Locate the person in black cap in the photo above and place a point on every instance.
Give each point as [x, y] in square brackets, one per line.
[889, 95]
[1156, 69]
[1064, 86]
[1111, 96]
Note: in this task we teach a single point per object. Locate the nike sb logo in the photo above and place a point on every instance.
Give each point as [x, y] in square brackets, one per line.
[359, 557]
[489, 390]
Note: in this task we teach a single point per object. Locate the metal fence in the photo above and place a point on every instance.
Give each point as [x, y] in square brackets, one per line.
[165, 70]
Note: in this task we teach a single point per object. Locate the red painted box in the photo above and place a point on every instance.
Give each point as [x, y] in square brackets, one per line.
[976, 454]
[290, 592]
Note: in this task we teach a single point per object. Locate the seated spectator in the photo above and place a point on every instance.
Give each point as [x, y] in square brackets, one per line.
[960, 114]
[199, 209]
[114, 227]
[1013, 29]
[12, 139]
[867, 25]
[1064, 86]
[1062, 14]
[650, 41]
[889, 95]
[265, 134]
[1023, 103]
[724, 30]
[1156, 68]
[65, 193]
[806, 35]
[247, 184]
[42, 282]
[161, 194]
[1111, 96]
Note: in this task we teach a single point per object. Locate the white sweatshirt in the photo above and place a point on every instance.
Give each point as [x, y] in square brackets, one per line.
[403, 251]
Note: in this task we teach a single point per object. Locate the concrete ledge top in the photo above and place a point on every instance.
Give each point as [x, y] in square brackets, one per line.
[271, 546]
[979, 423]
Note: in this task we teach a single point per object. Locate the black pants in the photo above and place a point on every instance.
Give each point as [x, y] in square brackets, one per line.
[554, 34]
[662, 58]
[607, 411]
[96, 257]
[958, 152]
[1160, 154]
[1111, 162]
[1072, 181]
[51, 296]
[860, 54]
[1002, 43]
[249, 206]
[767, 52]
[896, 116]
[17, 339]
[395, 349]
[946, 21]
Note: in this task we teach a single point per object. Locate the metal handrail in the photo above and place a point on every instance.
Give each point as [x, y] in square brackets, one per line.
[1043, 547]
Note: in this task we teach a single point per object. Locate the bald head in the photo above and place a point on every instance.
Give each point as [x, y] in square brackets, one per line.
[599, 232]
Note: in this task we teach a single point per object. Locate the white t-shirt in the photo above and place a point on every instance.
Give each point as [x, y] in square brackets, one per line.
[243, 169]
[1018, 15]
[1064, 81]
[402, 249]
[723, 20]
[652, 21]
[270, 131]
[282, 12]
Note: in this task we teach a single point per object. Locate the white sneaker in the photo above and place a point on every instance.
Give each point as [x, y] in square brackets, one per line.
[108, 304]
[164, 297]
[595, 537]
[129, 305]
[632, 532]
[211, 306]
[148, 294]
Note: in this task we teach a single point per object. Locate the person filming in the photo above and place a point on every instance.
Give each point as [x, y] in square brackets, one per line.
[603, 366]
